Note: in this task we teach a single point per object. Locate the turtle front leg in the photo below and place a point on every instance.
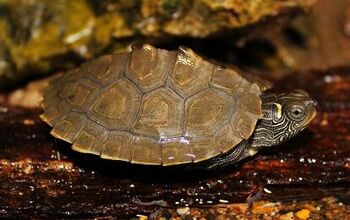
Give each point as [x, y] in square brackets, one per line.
[232, 157]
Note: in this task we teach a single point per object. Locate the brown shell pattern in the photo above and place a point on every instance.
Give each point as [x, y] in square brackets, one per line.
[152, 106]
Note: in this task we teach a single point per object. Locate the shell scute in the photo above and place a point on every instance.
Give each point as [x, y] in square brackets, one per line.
[243, 123]
[190, 73]
[82, 94]
[206, 111]
[55, 113]
[106, 69]
[68, 128]
[203, 149]
[225, 138]
[153, 73]
[176, 152]
[160, 113]
[117, 106]
[248, 112]
[146, 151]
[118, 146]
[90, 138]
[99, 67]
[50, 92]
[229, 81]
[248, 103]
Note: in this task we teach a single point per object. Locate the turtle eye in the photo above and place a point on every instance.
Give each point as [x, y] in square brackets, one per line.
[297, 113]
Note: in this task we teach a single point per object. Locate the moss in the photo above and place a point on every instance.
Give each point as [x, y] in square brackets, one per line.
[76, 20]
[68, 28]
[108, 25]
[171, 6]
[34, 33]
[236, 13]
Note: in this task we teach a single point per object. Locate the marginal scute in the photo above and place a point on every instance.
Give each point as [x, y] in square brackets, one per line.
[117, 106]
[176, 152]
[106, 69]
[160, 113]
[146, 151]
[100, 66]
[190, 73]
[118, 146]
[262, 84]
[206, 111]
[50, 99]
[55, 113]
[72, 76]
[243, 123]
[89, 139]
[65, 84]
[225, 138]
[248, 102]
[53, 83]
[229, 81]
[68, 128]
[151, 74]
[255, 89]
[203, 149]
[50, 92]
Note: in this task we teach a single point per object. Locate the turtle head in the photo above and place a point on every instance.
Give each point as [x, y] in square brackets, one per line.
[284, 116]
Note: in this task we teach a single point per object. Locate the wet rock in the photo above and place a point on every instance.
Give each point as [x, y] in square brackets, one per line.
[38, 37]
[316, 40]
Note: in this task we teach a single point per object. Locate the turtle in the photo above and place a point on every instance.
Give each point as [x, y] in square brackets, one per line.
[160, 107]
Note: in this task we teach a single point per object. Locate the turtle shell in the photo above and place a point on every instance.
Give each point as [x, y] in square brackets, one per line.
[152, 106]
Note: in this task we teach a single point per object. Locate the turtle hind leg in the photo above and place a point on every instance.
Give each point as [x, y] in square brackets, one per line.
[232, 157]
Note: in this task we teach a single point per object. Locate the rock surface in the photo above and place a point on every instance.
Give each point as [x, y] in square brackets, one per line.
[37, 37]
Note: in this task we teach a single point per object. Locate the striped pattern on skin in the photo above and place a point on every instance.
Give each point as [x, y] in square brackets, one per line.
[278, 123]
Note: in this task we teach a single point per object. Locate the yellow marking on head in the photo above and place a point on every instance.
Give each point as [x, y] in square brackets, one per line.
[279, 110]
